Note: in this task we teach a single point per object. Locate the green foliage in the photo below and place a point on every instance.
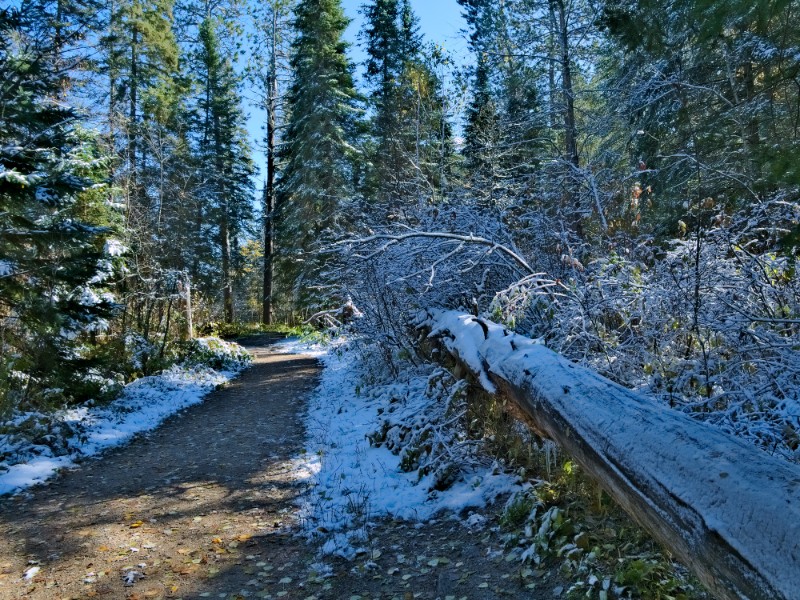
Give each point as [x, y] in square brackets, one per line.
[240, 330]
[567, 519]
[318, 175]
[215, 353]
[55, 226]
[409, 143]
[517, 510]
[570, 521]
[223, 199]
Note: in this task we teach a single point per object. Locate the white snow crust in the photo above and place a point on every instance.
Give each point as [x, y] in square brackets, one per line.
[353, 483]
[143, 405]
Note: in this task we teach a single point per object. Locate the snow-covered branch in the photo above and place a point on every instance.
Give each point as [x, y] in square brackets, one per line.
[387, 240]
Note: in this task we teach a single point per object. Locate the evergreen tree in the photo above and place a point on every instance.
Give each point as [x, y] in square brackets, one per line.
[409, 128]
[52, 231]
[318, 175]
[147, 129]
[271, 30]
[483, 137]
[225, 154]
[141, 64]
[383, 71]
[497, 119]
[713, 83]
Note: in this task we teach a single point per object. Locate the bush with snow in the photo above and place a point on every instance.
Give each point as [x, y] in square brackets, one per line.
[215, 353]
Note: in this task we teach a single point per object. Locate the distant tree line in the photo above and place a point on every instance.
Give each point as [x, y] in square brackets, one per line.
[618, 177]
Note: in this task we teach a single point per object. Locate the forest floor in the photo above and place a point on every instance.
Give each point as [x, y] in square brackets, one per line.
[207, 506]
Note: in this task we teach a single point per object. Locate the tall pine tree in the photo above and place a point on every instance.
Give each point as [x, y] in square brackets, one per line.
[318, 175]
[410, 134]
[53, 229]
[225, 155]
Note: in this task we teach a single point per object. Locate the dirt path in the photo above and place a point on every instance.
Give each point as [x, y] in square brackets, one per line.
[194, 509]
[204, 507]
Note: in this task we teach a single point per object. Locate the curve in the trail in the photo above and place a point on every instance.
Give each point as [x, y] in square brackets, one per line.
[200, 507]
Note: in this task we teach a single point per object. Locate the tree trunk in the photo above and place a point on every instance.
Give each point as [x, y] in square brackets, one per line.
[269, 250]
[227, 282]
[132, 140]
[570, 128]
[269, 188]
[571, 197]
[185, 290]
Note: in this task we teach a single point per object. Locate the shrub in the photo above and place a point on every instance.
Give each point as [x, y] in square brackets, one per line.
[215, 353]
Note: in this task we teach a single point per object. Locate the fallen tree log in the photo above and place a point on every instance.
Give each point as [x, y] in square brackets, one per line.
[728, 510]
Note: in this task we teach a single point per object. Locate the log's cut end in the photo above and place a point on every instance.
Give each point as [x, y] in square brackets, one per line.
[728, 510]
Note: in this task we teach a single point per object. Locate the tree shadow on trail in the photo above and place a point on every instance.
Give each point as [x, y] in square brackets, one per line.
[183, 506]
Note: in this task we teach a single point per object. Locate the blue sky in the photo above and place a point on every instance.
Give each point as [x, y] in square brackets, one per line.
[440, 22]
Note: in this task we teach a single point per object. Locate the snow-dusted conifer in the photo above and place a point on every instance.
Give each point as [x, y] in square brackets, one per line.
[225, 157]
[318, 177]
[410, 132]
[53, 223]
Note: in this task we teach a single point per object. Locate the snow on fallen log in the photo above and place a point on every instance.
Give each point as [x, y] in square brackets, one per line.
[729, 511]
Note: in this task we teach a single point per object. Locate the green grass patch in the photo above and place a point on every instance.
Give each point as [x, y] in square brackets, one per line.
[229, 331]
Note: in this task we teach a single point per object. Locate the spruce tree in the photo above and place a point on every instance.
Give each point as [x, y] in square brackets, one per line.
[482, 131]
[318, 175]
[141, 62]
[714, 82]
[407, 126]
[53, 224]
[225, 155]
[140, 59]
[384, 69]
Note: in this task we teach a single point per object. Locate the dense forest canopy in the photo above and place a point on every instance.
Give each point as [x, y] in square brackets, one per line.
[618, 178]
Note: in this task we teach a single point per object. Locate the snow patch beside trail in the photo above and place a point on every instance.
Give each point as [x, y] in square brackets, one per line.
[142, 406]
[354, 483]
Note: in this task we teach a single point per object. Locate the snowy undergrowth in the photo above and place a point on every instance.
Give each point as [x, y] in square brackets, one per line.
[34, 445]
[381, 446]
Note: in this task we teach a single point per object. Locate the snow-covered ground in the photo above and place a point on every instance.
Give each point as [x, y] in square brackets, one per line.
[26, 460]
[353, 482]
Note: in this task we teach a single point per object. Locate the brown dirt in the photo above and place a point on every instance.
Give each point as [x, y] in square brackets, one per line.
[205, 507]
